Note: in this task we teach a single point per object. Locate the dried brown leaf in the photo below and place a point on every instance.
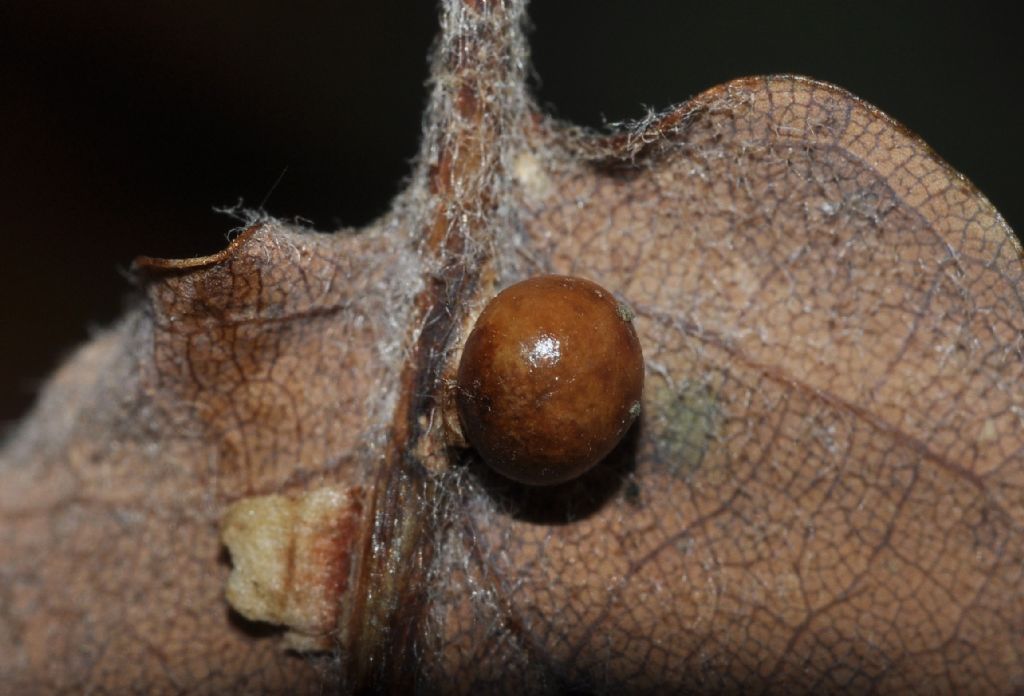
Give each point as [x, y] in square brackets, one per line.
[824, 493]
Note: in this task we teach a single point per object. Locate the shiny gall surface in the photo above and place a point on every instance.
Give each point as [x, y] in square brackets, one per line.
[550, 379]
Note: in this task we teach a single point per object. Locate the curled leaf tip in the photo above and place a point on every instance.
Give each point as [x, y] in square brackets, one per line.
[160, 266]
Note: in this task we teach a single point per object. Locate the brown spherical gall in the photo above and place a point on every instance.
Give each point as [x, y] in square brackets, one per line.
[550, 379]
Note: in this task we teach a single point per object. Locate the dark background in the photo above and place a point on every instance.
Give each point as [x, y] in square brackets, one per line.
[123, 124]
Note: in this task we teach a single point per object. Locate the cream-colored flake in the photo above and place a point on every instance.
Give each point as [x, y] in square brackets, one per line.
[291, 557]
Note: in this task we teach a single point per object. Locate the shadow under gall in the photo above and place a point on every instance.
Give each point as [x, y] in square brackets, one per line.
[567, 502]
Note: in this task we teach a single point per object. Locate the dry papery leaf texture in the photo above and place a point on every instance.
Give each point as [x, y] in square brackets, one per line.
[823, 492]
